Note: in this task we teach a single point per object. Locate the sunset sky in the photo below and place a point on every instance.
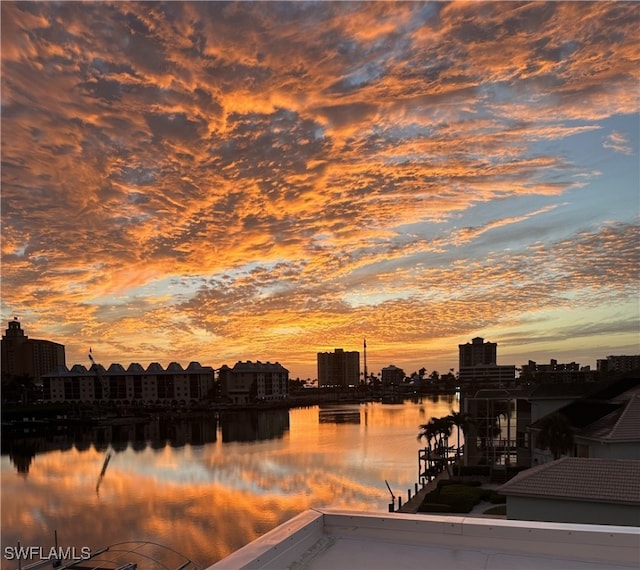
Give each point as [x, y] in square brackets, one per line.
[217, 182]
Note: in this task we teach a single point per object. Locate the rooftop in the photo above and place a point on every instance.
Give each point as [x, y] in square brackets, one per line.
[609, 412]
[621, 425]
[580, 478]
[327, 540]
[258, 366]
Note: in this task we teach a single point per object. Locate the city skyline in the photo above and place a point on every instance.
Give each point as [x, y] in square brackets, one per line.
[217, 182]
[153, 364]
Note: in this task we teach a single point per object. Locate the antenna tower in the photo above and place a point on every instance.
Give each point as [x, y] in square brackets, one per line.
[366, 377]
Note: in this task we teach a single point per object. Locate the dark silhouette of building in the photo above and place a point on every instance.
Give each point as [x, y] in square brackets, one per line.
[339, 368]
[477, 352]
[556, 372]
[618, 364]
[27, 357]
[392, 375]
[249, 382]
[477, 363]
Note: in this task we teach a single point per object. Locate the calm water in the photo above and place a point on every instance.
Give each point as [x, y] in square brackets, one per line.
[206, 488]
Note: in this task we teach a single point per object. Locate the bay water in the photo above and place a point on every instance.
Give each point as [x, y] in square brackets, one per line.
[206, 487]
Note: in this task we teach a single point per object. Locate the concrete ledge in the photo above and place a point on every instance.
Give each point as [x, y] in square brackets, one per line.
[328, 539]
[280, 546]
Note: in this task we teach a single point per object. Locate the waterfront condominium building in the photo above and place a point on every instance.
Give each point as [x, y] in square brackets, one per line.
[339, 368]
[22, 356]
[556, 373]
[619, 364]
[134, 385]
[392, 375]
[482, 373]
[250, 382]
[477, 352]
[477, 363]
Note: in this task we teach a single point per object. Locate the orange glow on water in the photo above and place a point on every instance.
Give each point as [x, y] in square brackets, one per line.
[208, 500]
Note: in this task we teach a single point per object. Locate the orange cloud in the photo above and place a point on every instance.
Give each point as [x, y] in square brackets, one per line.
[176, 168]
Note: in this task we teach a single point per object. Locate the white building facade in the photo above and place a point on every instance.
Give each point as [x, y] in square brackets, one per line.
[133, 385]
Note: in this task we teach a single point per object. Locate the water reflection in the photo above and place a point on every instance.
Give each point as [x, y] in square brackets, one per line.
[254, 425]
[207, 487]
[338, 415]
[156, 434]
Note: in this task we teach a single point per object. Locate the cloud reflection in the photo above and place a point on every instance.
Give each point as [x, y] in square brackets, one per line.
[208, 500]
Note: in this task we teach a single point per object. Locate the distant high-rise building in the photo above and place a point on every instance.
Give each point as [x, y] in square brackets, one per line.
[621, 363]
[27, 357]
[504, 373]
[477, 363]
[555, 372]
[477, 352]
[339, 368]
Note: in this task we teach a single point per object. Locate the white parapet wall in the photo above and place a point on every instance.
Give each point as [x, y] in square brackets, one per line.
[329, 539]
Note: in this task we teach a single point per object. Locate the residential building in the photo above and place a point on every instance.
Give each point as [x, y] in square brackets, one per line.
[619, 364]
[605, 423]
[249, 382]
[392, 375]
[338, 368]
[477, 363]
[491, 436]
[577, 490]
[477, 352]
[535, 402]
[596, 412]
[545, 399]
[615, 435]
[556, 373]
[502, 374]
[135, 385]
[22, 356]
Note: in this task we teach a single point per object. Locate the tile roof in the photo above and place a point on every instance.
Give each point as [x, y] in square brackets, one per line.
[627, 395]
[594, 417]
[579, 478]
[583, 412]
[622, 425]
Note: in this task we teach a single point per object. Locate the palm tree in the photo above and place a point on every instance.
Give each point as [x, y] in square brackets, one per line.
[444, 428]
[462, 421]
[438, 430]
[20, 389]
[556, 434]
[427, 432]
